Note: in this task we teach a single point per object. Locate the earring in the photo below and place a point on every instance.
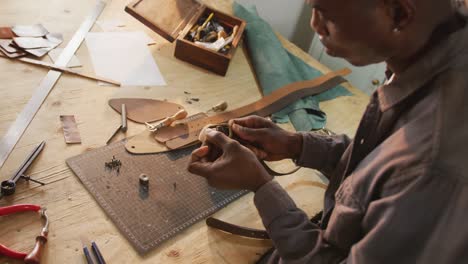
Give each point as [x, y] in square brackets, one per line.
[396, 30]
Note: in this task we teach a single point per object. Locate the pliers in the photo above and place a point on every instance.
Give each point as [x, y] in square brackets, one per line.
[34, 256]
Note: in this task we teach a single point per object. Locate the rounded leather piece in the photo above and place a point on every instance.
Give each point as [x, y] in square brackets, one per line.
[145, 110]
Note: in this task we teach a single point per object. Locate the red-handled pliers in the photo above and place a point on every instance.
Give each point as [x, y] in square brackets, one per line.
[22, 208]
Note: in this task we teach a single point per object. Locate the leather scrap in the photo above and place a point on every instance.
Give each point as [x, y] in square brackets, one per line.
[37, 30]
[70, 129]
[6, 33]
[5, 44]
[8, 51]
[54, 39]
[31, 43]
[145, 110]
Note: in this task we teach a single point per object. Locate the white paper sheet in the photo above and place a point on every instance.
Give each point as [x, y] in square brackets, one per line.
[111, 25]
[124, 57]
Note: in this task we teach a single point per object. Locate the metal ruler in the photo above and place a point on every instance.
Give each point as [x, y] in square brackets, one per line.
[23, 120]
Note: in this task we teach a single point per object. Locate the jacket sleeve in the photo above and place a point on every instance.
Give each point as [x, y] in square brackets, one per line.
[322, 152]
[296, 239]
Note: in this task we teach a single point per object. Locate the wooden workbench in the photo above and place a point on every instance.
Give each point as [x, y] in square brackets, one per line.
[72, 210]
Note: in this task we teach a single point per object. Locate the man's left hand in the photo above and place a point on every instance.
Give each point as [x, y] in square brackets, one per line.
[226, 164]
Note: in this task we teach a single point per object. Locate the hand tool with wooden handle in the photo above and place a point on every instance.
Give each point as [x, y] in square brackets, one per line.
[181, 114]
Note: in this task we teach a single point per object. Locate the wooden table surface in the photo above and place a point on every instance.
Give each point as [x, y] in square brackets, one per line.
[73, 212]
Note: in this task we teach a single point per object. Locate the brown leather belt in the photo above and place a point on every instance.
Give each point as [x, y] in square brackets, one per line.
[177, 137]
[247, 231]
[236, 230]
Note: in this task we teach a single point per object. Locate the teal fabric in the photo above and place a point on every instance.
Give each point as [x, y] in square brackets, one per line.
[275, 67]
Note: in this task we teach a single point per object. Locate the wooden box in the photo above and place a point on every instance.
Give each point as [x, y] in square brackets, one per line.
[173, 20]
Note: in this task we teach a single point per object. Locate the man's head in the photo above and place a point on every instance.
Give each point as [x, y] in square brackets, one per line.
[371, 31]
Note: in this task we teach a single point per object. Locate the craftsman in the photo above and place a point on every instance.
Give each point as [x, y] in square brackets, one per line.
[398, 193]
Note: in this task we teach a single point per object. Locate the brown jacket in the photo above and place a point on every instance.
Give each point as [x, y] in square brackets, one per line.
[398, 193]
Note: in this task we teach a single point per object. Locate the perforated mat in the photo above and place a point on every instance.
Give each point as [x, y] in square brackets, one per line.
[174, 200]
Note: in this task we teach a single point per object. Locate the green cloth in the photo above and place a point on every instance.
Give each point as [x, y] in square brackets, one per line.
[275, 67]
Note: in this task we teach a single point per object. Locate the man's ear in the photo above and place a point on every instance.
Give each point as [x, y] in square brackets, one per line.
[401, 12]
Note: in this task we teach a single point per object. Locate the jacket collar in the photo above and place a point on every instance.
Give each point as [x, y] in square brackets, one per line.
[434, 61]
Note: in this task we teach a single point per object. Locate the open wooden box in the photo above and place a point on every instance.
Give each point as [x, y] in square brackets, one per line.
[173, 20]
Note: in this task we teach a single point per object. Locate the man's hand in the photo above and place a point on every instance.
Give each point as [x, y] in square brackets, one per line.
[267, 140]
[226, 164]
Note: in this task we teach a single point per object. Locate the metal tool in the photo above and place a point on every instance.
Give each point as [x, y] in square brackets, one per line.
[8, 187]
[35, 255]
[123, 124]
[88, 257]
[167, 121]
[97, 253]
[17, 129]
[144, 179]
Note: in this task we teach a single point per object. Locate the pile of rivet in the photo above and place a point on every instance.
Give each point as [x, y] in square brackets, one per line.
[210, 34]
[114, 164]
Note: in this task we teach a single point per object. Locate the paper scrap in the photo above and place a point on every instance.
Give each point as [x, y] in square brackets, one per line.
[11, 55]
[37, 30]
[55, 53]
[32, 43]
[54, 39]
[5, 44]
[110, 25]
[70, 129]
[124, 57]
[9, 51]
[6, 33]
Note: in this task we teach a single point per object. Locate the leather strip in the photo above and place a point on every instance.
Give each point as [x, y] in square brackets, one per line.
[70, 129]
[268, 105]
[247, 231]
[272, 172]
[236, 230]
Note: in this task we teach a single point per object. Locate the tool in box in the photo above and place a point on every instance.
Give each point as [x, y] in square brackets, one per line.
[8, 187]
[35, 255]
[194, 27]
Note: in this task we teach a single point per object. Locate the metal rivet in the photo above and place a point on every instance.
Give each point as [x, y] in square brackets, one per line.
[144, 179]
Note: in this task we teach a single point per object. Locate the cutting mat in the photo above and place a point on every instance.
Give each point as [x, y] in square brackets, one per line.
[174, 200]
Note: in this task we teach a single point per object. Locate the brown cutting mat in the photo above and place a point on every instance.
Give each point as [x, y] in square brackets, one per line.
[174, 200]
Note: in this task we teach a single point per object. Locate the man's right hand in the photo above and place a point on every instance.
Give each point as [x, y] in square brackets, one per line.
[267, 140]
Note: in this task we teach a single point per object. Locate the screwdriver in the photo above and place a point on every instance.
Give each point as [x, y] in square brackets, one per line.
[168, 120]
